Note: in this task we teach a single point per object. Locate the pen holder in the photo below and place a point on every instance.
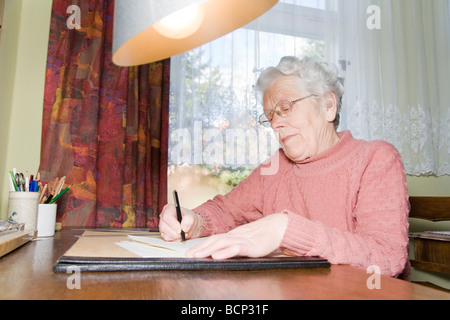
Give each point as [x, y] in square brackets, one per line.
[23, 208]
[46, 220]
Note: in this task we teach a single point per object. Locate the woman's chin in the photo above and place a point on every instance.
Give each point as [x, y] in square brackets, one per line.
[294, 155]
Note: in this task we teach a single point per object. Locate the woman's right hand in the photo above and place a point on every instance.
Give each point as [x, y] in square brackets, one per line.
[170, 228]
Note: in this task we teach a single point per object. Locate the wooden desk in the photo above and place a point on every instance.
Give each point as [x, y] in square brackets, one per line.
[26, 273]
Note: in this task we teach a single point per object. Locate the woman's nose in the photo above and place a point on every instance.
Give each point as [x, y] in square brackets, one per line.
[277, 122]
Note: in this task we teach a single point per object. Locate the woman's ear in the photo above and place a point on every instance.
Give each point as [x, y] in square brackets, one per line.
[330, 106]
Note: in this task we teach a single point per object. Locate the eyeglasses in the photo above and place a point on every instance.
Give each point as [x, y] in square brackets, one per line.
[282, 109]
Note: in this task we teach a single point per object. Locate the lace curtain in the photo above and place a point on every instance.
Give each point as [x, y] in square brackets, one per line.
[397, 78]
[393, 55]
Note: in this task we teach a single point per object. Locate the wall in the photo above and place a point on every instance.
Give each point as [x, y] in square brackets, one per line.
[8, 51]
[23, 52]
[429, 186]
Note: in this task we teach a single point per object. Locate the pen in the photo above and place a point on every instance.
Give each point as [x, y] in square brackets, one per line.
[13, 179]
[42, 194]
[27, 182]
[59, 195]
[60, 185]
[179, 217]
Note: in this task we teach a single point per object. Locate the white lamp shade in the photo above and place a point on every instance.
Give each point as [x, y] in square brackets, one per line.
[142, 34]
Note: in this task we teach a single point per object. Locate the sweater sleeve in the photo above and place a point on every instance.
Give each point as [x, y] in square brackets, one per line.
[378, 232]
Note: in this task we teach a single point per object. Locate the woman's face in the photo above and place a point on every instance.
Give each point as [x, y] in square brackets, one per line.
[307, 130]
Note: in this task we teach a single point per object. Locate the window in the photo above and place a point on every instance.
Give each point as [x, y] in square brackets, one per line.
[214, 138]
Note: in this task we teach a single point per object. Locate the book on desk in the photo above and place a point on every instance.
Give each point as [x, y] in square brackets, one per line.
[133, 251]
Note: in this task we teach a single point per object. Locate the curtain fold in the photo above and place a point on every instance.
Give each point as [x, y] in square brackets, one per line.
[104, 127]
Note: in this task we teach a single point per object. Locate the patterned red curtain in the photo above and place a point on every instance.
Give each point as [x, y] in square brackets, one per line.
[104, 127]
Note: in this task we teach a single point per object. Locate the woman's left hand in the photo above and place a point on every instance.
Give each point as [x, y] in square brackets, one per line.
[255, 239]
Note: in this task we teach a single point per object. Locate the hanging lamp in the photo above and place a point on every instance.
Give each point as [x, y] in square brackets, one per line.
[150, 30]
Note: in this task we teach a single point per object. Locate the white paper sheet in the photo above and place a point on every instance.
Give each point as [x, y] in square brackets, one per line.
[148, 247]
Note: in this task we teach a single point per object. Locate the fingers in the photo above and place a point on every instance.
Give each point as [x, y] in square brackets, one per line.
[255, 239]
[217, 247]
[226, 252]
[187, 222]
[170, 228]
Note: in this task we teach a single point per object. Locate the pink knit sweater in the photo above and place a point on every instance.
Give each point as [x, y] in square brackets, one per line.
[348, 204]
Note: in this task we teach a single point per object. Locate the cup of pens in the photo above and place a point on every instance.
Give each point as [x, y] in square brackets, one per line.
[48, 195]
[33, 203]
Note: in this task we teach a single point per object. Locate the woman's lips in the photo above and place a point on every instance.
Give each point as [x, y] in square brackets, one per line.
[285, 139]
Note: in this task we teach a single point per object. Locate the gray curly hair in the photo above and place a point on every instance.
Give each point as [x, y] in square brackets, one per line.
[315, 78]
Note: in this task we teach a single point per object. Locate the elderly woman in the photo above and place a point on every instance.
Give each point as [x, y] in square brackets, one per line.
[329, 195]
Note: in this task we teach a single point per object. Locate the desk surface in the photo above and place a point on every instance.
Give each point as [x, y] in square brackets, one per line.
[26, 273]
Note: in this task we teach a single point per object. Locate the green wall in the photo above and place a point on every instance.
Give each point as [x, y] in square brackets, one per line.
[23, 52]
